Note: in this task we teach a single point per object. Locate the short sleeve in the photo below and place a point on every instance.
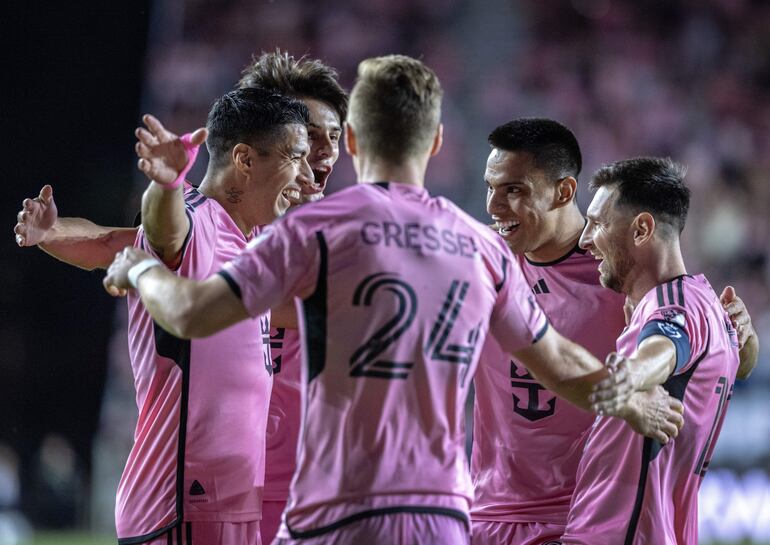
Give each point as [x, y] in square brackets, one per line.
[197, 249]
[517, 320]
[280, 263]
[671, 317]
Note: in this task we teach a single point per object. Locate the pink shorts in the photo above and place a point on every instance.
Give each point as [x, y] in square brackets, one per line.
[271, 519]
[516, 533]
[393, 529]
[211, 533]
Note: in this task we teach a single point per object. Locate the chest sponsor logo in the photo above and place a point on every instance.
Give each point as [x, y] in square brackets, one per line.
[527, 398]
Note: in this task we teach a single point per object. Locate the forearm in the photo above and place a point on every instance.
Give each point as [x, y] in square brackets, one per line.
[563, 367]
[749, 355]
[189, 308]
[164, 221]
[653, 362]
[84, 244]
[167, 298]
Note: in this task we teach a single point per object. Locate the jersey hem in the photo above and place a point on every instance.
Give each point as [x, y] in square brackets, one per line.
[414, 509]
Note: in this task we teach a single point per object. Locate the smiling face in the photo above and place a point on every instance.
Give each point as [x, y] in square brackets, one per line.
[607, 235]
[281, 172]
[324, 132]
[520, 200]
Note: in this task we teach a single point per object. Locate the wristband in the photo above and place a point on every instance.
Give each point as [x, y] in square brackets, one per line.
[140, 268]
[192, 153]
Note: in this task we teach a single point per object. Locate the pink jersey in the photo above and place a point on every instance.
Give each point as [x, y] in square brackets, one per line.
[399, 291]
[284, 416]
[630, 490]
[199, 444]
[527, 443]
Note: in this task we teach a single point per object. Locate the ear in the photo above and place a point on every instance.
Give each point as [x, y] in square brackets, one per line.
[351, 146]
[644, 228]
[242, 159]
[565, 191]
[438, 140]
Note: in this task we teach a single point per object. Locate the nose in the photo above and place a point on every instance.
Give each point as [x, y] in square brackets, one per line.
[496, 202]
[322, 146]
[305, 174]
[587, 236]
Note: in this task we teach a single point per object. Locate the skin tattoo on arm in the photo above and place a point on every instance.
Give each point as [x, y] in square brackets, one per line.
[233, 195]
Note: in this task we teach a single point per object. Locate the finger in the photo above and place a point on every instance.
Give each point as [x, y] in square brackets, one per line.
[670, 430]
[660, 436]
[740, 320]
[142, 150]
[46, 194]
[676, 405]
[156, 127]
[19, 240]
[144, 136]
[676, 419]
[21, 216]
[199, 136]
[146, 167]
[27, 204]
[728, 294]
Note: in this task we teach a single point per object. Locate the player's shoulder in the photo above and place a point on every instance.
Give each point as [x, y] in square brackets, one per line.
[689, 295]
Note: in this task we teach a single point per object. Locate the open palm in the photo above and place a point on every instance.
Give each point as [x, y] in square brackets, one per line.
[162, 154]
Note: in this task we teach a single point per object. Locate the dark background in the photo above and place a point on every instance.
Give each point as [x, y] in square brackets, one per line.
[73, 75]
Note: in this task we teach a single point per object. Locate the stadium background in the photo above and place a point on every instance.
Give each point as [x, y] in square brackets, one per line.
[689, 79]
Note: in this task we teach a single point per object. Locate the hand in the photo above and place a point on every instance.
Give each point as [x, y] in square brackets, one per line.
[611, 395]
[162, 155]
[116, 281]
[655, 414]
[37, 216]
[739, 316]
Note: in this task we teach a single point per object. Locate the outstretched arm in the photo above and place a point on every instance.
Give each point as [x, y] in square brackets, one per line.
[75, 241]
[564, 367]
[185, 308]
[748, 341]
[572, 372]
[165, 158]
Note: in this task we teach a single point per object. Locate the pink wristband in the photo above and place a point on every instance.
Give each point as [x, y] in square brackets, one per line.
[192, 153]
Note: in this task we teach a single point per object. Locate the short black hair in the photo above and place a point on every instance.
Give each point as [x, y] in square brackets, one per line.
[298, 78]
[250, 116]
[553, 146]
[649, 184]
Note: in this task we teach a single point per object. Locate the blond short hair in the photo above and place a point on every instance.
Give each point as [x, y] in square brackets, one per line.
[395, 107]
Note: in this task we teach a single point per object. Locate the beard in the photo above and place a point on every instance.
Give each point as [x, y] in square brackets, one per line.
[615, 272]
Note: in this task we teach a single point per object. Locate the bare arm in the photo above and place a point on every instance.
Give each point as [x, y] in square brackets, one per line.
[164, 158]
[747, 336]
[563, 367]
[571, 372]
[185, 308]
[84, 244]
[75, 241]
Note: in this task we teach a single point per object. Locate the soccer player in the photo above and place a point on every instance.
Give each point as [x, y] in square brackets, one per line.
[630, 489]
[87, 245]
[527, 443]
[397, 290]
[196, 471]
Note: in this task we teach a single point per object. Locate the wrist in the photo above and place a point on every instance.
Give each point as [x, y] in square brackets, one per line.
[140, 268]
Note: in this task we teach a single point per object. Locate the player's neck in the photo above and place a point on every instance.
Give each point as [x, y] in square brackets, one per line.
[658, 266]
[408, 172]
[565, 237]
[229, 194]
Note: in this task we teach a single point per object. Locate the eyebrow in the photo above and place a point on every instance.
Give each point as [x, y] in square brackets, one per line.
[333, 129]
